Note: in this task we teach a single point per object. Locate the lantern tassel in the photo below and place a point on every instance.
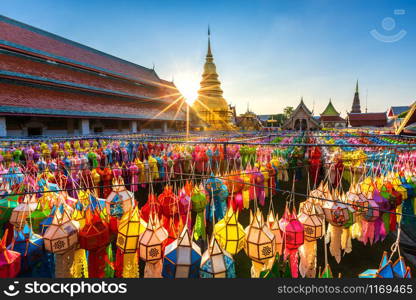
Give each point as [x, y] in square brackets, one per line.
[63, 264]
[307, 265]
[346, 243]
[80, 266]
[130, 265]
[335, 245]
[154, 269]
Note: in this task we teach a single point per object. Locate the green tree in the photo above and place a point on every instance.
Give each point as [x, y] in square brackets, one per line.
[287, 111]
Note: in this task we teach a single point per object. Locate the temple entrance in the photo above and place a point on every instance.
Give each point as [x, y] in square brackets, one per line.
[34, 131]
[301, 124]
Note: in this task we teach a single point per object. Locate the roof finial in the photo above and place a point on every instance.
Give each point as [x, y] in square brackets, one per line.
[153, 66]
[356, 87]
[209, 42]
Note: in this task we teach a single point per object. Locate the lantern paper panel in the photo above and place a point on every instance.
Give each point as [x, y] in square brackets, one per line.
[119, 201]
[95, 234]
[22, 212]
[336, 213]
[182, 258]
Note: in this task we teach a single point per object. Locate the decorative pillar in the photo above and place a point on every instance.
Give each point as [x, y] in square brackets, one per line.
[165, 126]
[85, 126]
[133, 126]
[3, 128]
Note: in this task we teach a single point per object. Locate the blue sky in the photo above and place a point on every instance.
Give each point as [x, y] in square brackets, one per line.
[268, 53]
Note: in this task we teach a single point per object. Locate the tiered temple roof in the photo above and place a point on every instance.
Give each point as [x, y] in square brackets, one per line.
[44, 74]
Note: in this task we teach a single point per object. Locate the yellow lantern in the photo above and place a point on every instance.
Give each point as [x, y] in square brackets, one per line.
[229, 233]
[129, 230]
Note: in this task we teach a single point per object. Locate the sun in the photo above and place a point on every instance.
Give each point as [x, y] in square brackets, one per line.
[187, 84]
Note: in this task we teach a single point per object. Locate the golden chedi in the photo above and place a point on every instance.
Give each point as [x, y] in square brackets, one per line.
[210, 106]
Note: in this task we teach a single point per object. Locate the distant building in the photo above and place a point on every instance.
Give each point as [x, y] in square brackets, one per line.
[357, 119]
[377, 119]
[408, 124]
[330, 118]
[395, 111]
[301, 119]
[249, 121]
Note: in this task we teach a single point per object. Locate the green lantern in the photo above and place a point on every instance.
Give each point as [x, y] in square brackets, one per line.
[37, 216]
[199, 203]
[7, 204]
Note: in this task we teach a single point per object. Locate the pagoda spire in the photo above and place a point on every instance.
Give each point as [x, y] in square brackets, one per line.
[356, 107]
[209, 53]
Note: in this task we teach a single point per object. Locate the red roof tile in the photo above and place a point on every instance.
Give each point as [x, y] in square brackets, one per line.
[30, 37]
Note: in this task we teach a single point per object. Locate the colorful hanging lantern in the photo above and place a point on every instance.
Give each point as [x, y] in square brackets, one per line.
[37, 216]
[94, 237]
[7, 205]
[29, 245]
[273, 223]
[182, 258]
[312, 223]
[9, 260]
[199, 203]
[216, 262]
[151, 240]
[260, 241]
[336, 212]
[22, 211]
[130, 228]
[120, 200]
[62, 235]
[229, 233]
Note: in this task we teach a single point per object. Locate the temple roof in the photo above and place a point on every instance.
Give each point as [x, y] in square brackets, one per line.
[409, 119]
[367, 119]
[397, 110]
[303, 107]
[23, 38]
[330, 110]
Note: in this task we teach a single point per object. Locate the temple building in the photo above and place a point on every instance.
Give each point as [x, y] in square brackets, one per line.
[330, 118]
[54, 86]
[357, 119]
[407, 124]
[301, 119]
[249, 121]
[211, 106]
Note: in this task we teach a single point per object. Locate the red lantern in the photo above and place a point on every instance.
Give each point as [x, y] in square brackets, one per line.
[9, 260]
[95, 237]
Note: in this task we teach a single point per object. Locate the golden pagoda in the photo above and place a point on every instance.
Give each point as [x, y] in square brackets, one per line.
[210, 106]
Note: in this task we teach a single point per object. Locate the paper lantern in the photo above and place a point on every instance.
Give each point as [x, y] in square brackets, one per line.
[169, 202]
[95, 234]
[7, 204]
[37, 216]
[129, 230]
[336, 212]
[372, 213]
[120, 200]
[62, 235]
[216, 262]
[292, 229]
[260, 243]
[22, 211]
[199, 203]
[29, 245]
[229, 233]
[273, 223]
[9, 260]
[151, 240]
[44, 225]
[312, 224]
[182, 258]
